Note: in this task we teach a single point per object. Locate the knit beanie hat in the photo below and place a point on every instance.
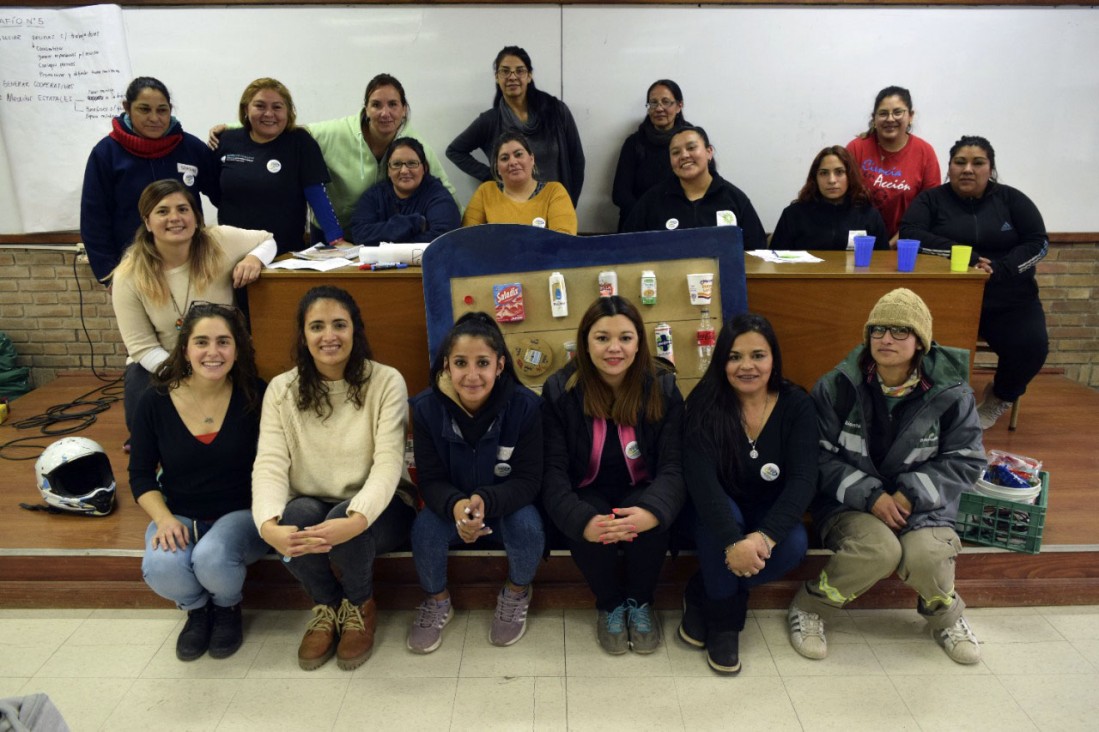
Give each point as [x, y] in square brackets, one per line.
[902, 307]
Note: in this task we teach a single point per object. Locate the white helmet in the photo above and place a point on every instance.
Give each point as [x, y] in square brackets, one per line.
[74, 475]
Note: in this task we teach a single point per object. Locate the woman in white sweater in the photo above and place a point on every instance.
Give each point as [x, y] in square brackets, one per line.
[326, 490]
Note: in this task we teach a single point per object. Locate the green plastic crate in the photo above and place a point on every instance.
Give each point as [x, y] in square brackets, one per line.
[1005, 524]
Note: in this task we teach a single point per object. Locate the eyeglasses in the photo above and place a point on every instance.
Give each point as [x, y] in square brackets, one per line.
[665, 103]
[520, 72]
[898, 332]
[895, 114]
[202, 308]
[396, 165]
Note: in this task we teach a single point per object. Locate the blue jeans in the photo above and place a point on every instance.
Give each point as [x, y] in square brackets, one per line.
[211, 567]
[521, 534]
[721, 584]
[353, 559]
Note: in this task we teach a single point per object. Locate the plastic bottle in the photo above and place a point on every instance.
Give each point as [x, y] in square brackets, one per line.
[608, 283]
[559, 298]
[706, 338]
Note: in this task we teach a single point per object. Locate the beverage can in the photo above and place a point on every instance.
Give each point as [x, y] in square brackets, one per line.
[663, 341]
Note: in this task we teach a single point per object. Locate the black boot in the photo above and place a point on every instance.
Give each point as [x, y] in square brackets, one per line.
[227, 633]
[692, 629]
[724, 621]
[194, 639]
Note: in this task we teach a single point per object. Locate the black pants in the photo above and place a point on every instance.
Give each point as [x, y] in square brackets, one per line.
[1017, 334]
[644, 556]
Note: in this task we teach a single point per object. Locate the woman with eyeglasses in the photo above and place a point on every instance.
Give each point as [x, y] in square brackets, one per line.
[832, 206]
[329, 486]
[899, 442]
[643, 161]
[696, 196]
[271, 170]
[518, 195]
[146, 143]
[194, 443]
[175, 260]
[1008, 237]
[896, 165]
[354, 146]
[412, 206]
[521, 107]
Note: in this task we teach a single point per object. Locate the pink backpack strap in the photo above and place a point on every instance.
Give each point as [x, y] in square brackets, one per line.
[598, 438]
[635, 463]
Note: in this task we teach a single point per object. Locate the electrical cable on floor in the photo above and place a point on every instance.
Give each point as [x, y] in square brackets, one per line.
[59, 419]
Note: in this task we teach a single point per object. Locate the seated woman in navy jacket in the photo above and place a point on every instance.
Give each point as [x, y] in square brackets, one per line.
[412, 206]
[477, 435]
[613, 478]
[833, 204]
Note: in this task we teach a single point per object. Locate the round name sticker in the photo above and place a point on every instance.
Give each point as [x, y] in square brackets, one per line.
[633, 451]
[188, 179]
[273, 166]
[769, 472]
[671, 224]
[539, 222]
[502, 470]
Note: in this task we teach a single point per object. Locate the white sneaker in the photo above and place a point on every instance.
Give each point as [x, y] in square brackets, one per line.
[959, 642]
[991, 408]
[807, 633]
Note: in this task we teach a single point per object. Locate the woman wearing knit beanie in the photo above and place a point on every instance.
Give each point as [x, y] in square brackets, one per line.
[900, 440]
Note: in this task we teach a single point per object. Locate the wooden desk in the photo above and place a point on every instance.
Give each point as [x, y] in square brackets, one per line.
[818, 310]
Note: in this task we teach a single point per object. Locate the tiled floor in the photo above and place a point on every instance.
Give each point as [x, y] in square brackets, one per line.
[116, 670]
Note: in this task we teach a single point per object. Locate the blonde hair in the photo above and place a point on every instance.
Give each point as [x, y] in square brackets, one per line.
[143, 263]
[274, 85]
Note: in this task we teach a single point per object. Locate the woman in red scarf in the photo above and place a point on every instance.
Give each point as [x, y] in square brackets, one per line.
[146, 144]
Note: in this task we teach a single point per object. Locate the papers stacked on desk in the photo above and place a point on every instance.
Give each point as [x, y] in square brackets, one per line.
[781, 256]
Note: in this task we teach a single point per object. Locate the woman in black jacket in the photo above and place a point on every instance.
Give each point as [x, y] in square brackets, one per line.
[612, 468]
[1008, 238]
[832, 206]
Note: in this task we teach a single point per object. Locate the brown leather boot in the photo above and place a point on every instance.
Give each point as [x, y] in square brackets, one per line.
[319, 643]
[357, 626]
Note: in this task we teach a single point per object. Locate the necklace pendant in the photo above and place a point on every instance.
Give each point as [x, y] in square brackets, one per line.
[210, 420]
[179, 323]
[754, 453]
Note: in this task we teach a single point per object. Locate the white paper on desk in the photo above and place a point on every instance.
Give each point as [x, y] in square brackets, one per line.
[782, 256]
[323, 265]
[411, 254]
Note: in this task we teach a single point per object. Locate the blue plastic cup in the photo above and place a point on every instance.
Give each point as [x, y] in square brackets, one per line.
[907, 249]
[864, 248]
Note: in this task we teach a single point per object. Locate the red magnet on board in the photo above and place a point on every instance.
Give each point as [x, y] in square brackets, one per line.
[468, 299]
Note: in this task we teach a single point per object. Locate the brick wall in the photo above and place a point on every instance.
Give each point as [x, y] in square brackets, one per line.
[40, 312]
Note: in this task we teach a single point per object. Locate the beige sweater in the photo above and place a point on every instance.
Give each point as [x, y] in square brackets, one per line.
[149, 329]
[355, 454]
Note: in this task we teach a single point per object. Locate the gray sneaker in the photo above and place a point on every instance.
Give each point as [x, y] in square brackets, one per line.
[510, 621]
[959, 642]
[611, 629]
[644, 627]
[426, 633]
[807, 633]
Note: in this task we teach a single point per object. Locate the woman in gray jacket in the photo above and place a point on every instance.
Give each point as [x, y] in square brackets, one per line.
[900, 441]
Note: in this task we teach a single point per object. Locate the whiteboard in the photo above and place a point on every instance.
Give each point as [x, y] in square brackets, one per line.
[771, 85]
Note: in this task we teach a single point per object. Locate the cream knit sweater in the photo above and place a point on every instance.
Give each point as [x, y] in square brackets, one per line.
[355, 454]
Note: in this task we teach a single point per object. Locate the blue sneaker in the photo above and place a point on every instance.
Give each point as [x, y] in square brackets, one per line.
[611, 628]
[644, 627]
